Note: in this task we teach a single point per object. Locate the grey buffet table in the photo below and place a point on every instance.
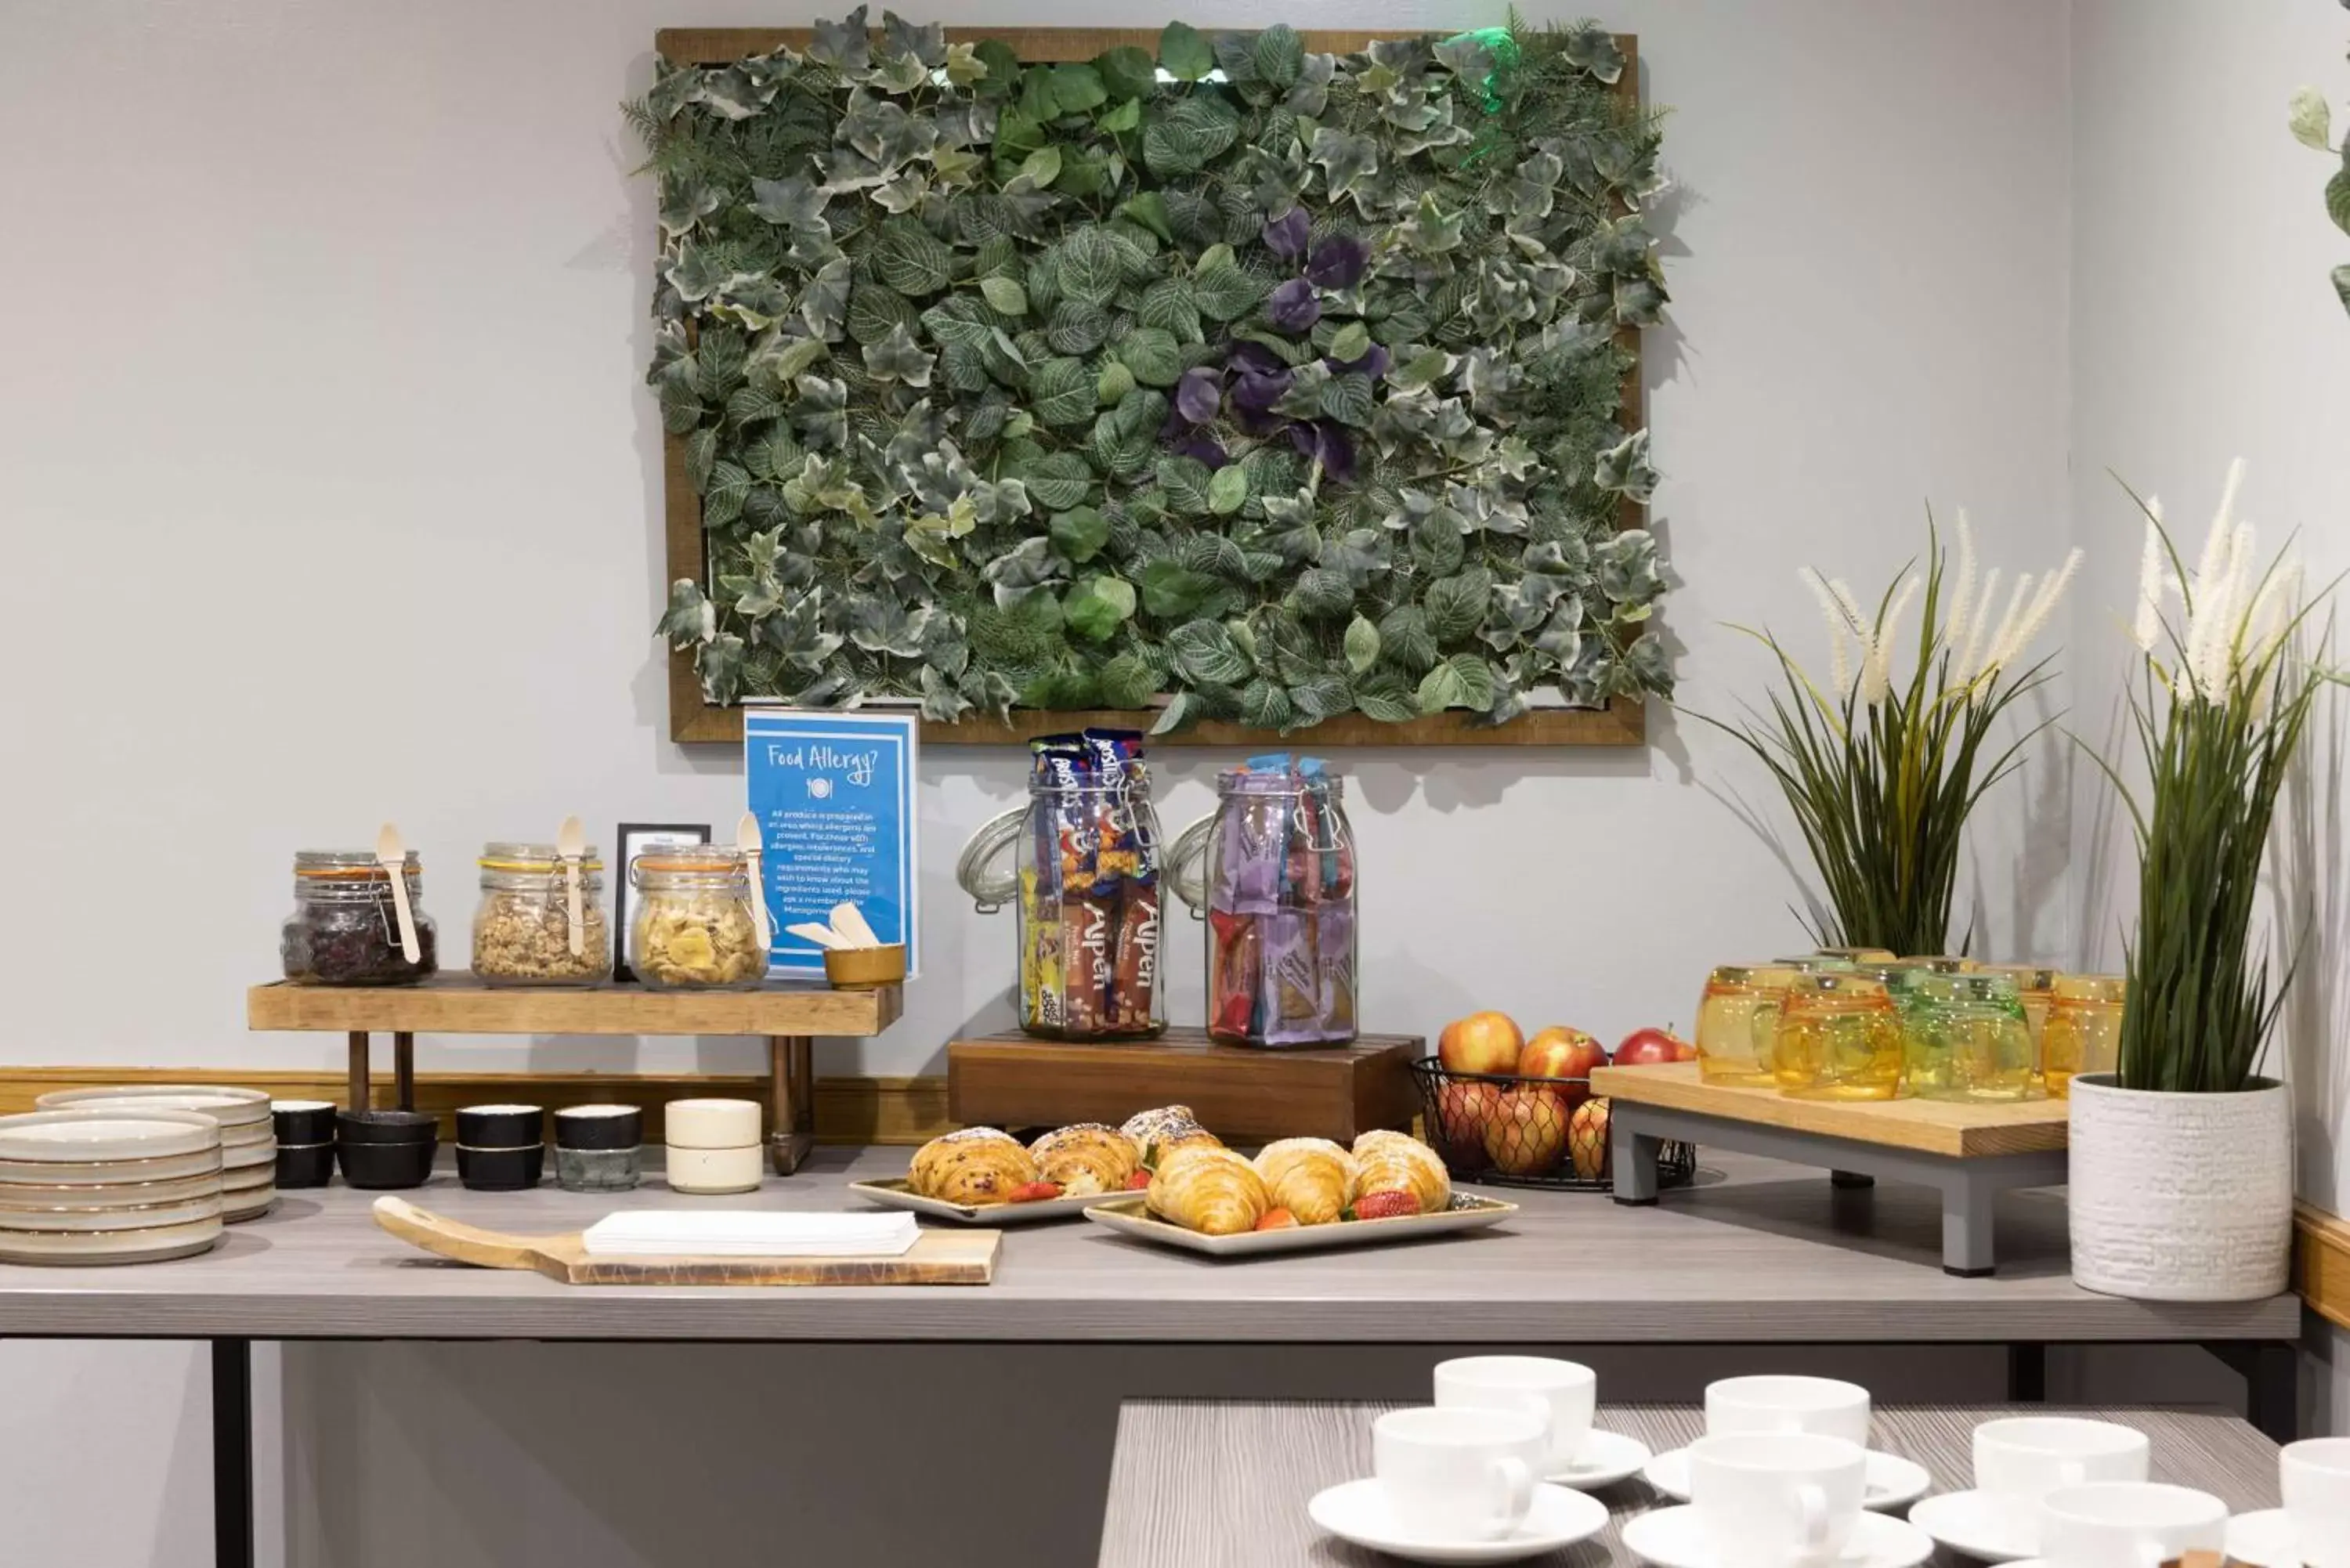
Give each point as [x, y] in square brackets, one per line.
[1757, 1252]
[1227, 1482]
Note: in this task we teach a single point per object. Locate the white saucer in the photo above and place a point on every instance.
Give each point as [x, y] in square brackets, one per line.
[1604, 1459]
[2263, 1539]
[1981, 1525]
[1358, 1512]
[1892, 1479]
[1673, 1538]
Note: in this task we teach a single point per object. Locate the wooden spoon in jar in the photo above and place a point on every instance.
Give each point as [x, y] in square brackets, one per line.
[393, 856]
[571, 844]
[746, 839]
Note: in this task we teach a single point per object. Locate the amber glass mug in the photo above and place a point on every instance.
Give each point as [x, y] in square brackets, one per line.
[1839, 1038]
[2084, 1031]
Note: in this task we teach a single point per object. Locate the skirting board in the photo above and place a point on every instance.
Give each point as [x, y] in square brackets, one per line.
[847, 1110]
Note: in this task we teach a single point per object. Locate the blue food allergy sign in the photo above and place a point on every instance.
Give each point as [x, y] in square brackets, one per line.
[834, 794]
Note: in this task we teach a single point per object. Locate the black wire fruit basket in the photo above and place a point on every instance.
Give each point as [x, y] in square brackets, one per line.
[1500, 1129]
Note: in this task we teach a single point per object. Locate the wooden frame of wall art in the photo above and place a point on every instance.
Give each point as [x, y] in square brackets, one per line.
[1348, 480]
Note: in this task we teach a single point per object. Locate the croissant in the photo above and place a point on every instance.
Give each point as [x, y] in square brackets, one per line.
[1159, 1133]
[1211, 1191]
[1394, 1161]
[974, 1166]
[1085, 1158]
[1312, 1177]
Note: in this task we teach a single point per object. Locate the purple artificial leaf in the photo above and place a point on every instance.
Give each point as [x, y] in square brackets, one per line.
[1301, 438]
[1285, 237]
[1200, 444]
[1293, 307]
[1373, 364]
[1249, 355]
[1255, 394]
[1199, 395]
[1338, 261]
[1335, 450]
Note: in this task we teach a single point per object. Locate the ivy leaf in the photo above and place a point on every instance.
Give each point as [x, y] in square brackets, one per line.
[1062, 393]
[1126, 72]
[1005, 293]
[1079, 534]
[1629, 569]
[1128, 680]
[1624, 469]
[941, 702]
[911, 259]
[1346, 160]
[1362, 645]
[844, 44]
[1183, 54]
[1151, 354]
[1228, 491]
[1173, 592]
[691, 617]
[898, 357]
[1186, 482]
[1205, 653]
[796, 202]
[1592, 48]
[1099, 607]
[885, 626]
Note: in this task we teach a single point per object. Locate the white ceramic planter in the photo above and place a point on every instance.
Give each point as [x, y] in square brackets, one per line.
[2181, 1197]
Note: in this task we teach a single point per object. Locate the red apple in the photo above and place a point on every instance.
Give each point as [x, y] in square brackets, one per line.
[1527, 1136]
[1559, 1052]
[1586, 1139]
[1463, 1108]
[1645, 1047]
[1481, 1043]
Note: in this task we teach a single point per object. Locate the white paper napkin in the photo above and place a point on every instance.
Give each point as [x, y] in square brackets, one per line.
[748, 1233]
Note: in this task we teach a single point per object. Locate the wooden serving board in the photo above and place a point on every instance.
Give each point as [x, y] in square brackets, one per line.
[1240, 1094]
[1948, 1128]
[939, 1258]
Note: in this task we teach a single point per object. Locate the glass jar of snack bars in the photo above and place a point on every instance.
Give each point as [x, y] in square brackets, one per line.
[1964, 1037]
[1737, 1017]
[2084, 1031]
[695, 927]
[1839, 1038]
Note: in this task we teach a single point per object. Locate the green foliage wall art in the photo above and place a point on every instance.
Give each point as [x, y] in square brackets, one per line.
[1246, 382]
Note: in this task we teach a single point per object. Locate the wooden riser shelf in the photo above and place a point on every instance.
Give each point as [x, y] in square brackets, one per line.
[788, 1016]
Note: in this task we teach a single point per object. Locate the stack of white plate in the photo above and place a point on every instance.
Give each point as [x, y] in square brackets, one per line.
[248, 1137]
[108, 1186]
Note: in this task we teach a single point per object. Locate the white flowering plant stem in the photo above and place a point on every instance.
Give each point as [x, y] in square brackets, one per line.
[2223, 700]
[1882, 769]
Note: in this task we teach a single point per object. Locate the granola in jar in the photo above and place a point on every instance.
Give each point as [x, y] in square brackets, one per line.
[521, 928]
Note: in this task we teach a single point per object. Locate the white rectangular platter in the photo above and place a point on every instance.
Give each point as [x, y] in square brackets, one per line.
[1125, 1212]
[892, 1194]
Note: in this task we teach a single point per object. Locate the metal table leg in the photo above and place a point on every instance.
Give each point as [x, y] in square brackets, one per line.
[2272, 1373]
[231, 1453]
[791, 1066]
[1636, 1166]
[358, 1087]
[2027, 1373]
[403, 1071]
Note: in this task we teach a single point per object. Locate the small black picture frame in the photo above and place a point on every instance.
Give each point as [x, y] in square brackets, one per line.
[632, 840]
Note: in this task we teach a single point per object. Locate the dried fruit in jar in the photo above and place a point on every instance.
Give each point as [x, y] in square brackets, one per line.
[693, 938]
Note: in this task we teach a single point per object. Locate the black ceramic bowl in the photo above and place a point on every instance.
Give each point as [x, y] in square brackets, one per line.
[385, 1165]
[305, 1164]
[501, 1170]
[385, 1126]
[500, 1127]
[303, 1121]
[599, 1126]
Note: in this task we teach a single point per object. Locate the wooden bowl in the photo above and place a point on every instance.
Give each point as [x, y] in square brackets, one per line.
[864, 969]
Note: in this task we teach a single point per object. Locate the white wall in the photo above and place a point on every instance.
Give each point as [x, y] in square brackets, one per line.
[2204, 328]
[327, 460]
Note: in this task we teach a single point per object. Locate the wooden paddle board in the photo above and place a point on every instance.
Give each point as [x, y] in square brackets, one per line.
[939, 1258]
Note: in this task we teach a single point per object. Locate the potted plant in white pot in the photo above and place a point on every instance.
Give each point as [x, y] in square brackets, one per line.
[2182, 1158]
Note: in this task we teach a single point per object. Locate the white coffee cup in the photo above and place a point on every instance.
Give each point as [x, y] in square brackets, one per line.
[2128, 1524]
[2315, 1475]
[1777, 1499]
[1823, 1406]
[2030, 1456]
[1459, 1474]
[1563, 1393]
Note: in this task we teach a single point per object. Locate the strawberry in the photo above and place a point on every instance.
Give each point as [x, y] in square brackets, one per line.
[1034, 1191]
[1277, 1220]
[1384, 1205]
[1139, 1182]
